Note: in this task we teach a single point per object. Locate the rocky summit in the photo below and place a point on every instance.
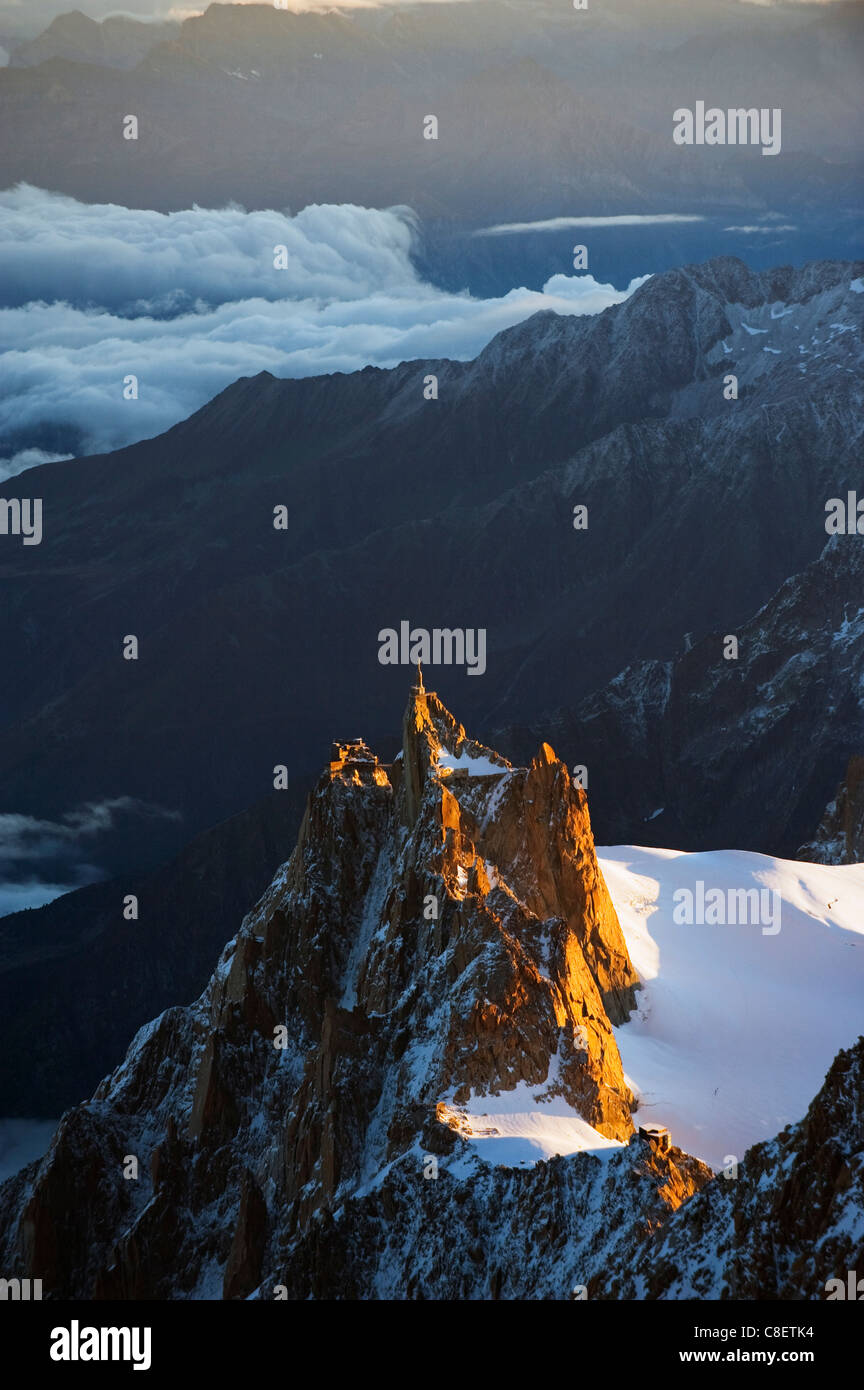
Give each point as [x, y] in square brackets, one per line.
[441, 935]
[421, 1003]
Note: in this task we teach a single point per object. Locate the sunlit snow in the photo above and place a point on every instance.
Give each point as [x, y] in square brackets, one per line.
[519, 1127]
[735, 1028]
[478, 767]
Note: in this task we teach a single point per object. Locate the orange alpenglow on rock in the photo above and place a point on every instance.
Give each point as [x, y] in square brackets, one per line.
[442, 932]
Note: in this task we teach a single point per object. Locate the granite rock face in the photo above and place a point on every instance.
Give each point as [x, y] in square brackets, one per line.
[442, 932]
[697, 745]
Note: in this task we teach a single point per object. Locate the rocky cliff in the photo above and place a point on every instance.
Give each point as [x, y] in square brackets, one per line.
[441, 938]
[435, 970]
[697, 744]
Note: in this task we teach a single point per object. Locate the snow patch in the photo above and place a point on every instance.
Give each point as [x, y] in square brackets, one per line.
[370, 921]
[477, 767]
[527, 1125]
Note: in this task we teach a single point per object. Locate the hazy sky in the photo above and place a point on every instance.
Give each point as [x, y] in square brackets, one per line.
[26, 18]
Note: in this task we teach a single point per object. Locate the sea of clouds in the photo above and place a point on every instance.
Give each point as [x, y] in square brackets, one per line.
[189, 301]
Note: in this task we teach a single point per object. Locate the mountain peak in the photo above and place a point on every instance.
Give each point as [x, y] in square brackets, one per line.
[441, 935]
[435, 745]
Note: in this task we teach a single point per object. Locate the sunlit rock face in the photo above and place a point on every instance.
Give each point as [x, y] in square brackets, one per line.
[440, 943]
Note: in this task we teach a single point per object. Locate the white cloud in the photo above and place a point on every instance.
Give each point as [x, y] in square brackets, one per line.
[560, 224]
[133, 260]
[27, 841]
[350, 297]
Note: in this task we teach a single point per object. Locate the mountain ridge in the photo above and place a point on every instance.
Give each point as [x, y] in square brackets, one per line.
[172, 539]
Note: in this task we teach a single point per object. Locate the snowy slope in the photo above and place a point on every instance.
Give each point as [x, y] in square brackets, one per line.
[736, 1029]
[525, 1125]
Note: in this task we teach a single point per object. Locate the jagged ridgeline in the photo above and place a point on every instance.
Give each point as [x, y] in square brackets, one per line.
[437, 965]
[442, 931]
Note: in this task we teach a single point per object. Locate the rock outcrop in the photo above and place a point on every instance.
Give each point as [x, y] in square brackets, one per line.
[441, 933]
[840, 837]
[326, 1120]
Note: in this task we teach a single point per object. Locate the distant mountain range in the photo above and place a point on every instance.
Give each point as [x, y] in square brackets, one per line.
[116, 42]
[437, 1055]
[702, 748]
[542, 110]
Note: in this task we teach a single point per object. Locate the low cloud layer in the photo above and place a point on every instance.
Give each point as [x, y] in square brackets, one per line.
[188, 302]
[133, 261]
